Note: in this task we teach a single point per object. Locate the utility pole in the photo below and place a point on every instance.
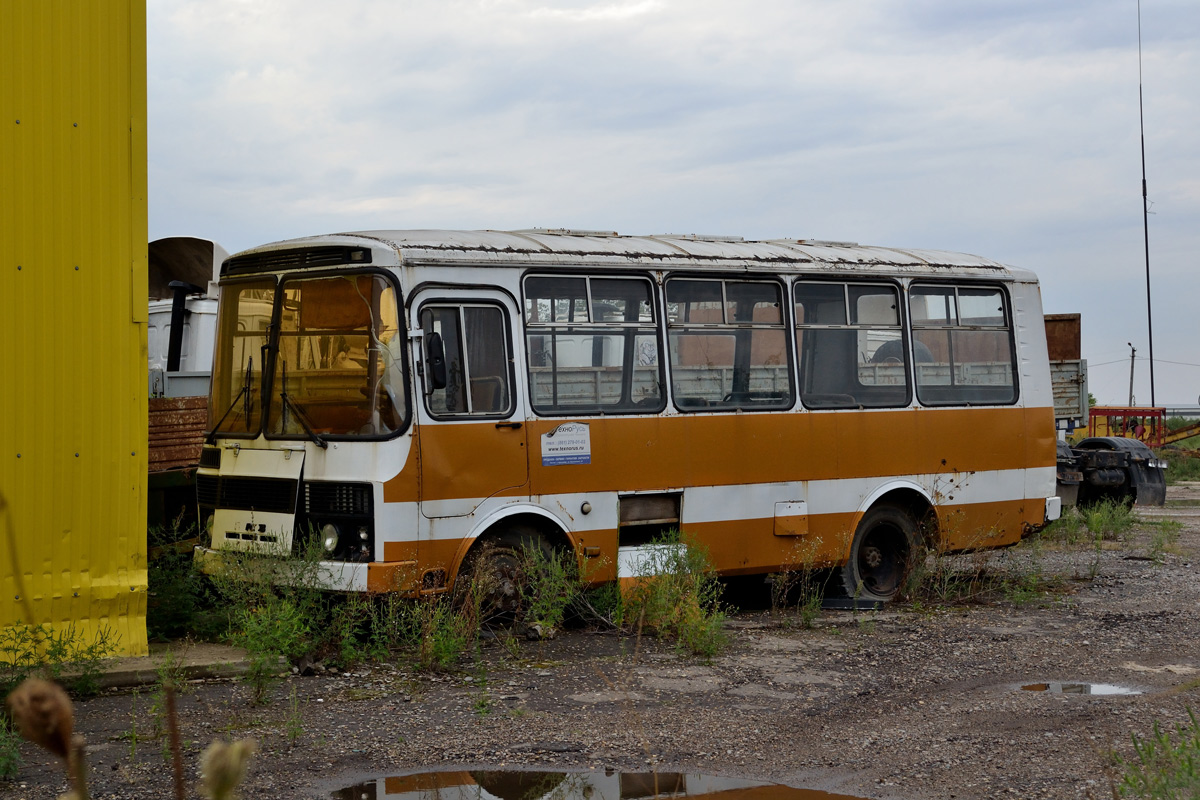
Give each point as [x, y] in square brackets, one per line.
[1132, 356]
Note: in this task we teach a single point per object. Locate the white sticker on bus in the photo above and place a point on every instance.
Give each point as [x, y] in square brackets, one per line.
[569, 443]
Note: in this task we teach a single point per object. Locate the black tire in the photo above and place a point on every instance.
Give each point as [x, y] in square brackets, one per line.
[495, 567]
[881, 554]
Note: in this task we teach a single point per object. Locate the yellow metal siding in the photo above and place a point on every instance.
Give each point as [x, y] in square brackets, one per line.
[73, 288]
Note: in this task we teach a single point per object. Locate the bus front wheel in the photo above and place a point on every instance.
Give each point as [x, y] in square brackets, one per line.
[881, 554]
[493, 572]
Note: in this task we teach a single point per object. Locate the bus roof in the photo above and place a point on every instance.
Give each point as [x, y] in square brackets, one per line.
[560, 247]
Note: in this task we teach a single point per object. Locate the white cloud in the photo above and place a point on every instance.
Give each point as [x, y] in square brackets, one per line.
[1002, 127]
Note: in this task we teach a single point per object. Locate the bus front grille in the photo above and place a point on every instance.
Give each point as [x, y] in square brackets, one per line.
[247, 494]
[350, 499]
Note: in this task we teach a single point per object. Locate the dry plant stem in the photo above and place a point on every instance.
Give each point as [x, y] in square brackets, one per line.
[631, 709]
[78, 767]
[637, 641]
[18, 576]
[176, 751]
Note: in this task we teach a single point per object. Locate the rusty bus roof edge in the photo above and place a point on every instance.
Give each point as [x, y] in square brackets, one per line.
[557, 247]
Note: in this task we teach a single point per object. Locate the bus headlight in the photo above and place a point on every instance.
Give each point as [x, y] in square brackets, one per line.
[329, 537]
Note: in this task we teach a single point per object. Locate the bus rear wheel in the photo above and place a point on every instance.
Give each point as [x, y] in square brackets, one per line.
[881, 554]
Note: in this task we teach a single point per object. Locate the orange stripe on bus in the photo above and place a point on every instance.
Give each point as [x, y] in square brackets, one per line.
[639, 453]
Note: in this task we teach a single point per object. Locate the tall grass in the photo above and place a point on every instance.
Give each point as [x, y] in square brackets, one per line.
[1165, 764]
[1181, 467]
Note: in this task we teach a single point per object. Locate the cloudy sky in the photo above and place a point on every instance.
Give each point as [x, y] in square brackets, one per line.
[1006, 128]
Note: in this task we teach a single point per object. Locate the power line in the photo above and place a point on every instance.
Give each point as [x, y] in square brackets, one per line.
[1141, 358]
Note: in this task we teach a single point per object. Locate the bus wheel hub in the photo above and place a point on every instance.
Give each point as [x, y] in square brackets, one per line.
[872, 557]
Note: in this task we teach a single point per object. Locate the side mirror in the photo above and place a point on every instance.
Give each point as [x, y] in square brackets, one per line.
[435, 360]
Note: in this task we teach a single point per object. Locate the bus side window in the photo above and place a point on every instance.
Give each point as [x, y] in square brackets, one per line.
[851, 345]
[728, 345]
[592, 345]
[474, 349]
[966, 340]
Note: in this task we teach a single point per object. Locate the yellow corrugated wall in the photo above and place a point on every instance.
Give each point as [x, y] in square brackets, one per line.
[73, 288]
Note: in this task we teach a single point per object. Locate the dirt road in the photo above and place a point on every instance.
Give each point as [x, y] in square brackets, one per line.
[923, 701]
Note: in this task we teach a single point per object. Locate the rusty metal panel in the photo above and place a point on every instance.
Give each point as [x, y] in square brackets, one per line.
[176, 432]
[1062, 336]
[1068, 380]
[73, 296]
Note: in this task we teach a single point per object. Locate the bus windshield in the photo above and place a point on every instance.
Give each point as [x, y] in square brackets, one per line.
[243, 325]
[337, 366]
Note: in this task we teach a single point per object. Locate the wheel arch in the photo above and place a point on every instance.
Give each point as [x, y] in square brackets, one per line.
[547, 524]
[912, 498]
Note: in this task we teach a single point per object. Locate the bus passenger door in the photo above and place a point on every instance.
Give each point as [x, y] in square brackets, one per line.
[472, 409]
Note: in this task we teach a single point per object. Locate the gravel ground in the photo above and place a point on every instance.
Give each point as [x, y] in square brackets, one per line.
[907, 703]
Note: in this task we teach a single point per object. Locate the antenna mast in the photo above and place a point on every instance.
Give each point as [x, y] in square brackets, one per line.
[1145, 206]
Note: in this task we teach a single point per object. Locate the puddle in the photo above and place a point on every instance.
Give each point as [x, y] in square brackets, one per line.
[602, 785]
[1079, 688]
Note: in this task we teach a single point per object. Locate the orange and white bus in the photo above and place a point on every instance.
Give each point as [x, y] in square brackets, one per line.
[414, 394]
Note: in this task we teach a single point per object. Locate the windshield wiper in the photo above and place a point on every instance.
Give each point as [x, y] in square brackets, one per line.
[288, 402]
[247, 403]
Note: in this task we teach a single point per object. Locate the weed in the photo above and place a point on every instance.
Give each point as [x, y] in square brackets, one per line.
[1165, 765]
[1109, 518]
[180, 599]
[1164, 534]
[601, 604]
[262, 673]
[809, 607]
[509, 641]
[1182, 466]
[170, 671]
[10, 755]
[394, 624]
[679, 596]
[1069, 529]
[941, 577]
[445, 634]
[133, 730]
[799, 584]
[1024, 589]
[866, 623]
[63, 655]
[294, 725]
[551, 583]
[350, 632]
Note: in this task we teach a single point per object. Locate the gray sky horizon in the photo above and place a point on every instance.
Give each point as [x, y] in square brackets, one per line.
[1004, 128]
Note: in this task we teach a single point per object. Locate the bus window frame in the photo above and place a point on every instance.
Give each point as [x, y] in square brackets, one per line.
[786, 324]
[1009, 322]
[904, 328]
[658, 310]
[401, 332]
[458, 302]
